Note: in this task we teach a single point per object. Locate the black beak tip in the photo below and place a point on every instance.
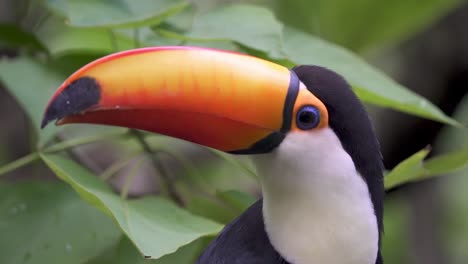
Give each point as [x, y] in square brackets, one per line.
[44, 122]
[47, 119]
[76, 98]
[53, 112]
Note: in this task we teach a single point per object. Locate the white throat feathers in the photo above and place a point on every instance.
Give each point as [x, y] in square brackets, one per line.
[316, 207]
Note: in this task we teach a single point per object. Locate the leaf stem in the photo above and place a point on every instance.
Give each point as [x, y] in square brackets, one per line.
[61, 146]
[136, 38]
[19, 163]
[113, 40]
[166, 181]
[117, 166]
[130, 178]
[74, 142]
[235, 162]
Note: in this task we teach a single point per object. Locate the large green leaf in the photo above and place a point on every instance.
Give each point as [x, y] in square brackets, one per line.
[222, 208]
[49, 223]
[126, 253]
[115, 13]
[407, 170]
[61, 39]
[364, 24]
[32, 91]
[155, 225]
[239, 201]
[187, 254]
[210, 208]
[146, 37]
[415, 169]
[370, 84]
[248, 25]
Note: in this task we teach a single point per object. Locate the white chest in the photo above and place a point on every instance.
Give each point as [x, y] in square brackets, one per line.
[317, 209]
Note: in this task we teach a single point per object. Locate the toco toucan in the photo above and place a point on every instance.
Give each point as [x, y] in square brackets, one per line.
[310, 138]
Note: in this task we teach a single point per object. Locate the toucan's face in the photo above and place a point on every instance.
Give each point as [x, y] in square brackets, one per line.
[227, 101]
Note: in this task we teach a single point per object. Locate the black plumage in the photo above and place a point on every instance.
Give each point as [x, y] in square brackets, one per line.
[243, 241]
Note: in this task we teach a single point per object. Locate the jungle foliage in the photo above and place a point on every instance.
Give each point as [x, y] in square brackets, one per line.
[45, 221]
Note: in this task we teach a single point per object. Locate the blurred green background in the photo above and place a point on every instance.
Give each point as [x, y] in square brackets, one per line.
[423, 45]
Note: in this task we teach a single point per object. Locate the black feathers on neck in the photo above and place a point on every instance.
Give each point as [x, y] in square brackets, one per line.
[349, 120]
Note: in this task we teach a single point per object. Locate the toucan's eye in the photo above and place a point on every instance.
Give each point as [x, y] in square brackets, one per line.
[307, 117]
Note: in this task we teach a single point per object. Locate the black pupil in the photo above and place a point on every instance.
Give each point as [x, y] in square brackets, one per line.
[307, 117]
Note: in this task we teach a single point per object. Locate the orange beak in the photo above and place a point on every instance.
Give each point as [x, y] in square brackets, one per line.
[228, 101]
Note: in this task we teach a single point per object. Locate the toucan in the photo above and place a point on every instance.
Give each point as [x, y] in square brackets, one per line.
[310, 138]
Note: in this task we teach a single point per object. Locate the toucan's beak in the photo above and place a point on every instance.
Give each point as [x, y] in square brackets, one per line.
[227, 101]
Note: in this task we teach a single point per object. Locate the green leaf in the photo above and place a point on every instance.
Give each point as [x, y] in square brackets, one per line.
[414, 169]
[61, 39]
[48, 223]
[155, 225]
[448, 163]
[211, 209]
[237, 162]
[147, 37]
[182, 21]
[112, 13]
[187, 254]
[33, 92]
[348, 22]
[126, 253]
[188, 41]
[248, 25]
[228, 205]
[238, 200]
[370, 84]
[407, 170]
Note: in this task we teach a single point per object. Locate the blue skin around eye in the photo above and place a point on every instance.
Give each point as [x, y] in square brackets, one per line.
[310, 110]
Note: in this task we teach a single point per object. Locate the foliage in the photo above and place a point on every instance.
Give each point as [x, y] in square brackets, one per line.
[154, 224]
[414, 169]
[75, 32]
[362, 25]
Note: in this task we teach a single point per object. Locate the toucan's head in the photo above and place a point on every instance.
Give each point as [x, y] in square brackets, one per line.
[223, 100]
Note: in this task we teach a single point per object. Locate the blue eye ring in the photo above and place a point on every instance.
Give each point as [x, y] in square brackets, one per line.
[308, 117]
